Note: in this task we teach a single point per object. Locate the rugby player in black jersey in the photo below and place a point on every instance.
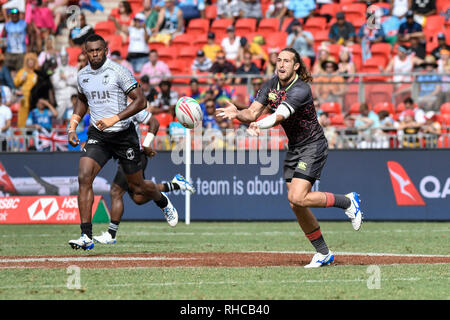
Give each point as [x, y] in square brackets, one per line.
[288, 97]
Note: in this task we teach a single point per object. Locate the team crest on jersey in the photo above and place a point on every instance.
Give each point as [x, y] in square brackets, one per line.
[130, 154]
[302, 165]
[105, 79]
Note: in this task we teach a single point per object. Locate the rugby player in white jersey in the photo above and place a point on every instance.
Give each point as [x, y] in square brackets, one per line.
[104, 87]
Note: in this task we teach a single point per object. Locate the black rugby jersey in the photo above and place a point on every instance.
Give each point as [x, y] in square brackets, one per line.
[302, 127]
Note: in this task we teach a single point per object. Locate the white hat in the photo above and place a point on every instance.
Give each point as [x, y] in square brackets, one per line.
[140, 16]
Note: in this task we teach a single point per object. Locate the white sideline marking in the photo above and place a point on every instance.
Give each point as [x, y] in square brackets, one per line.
[370, 254]
[84, 259]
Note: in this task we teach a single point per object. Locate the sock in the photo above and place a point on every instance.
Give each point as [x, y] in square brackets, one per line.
[112, 229]
[163, 202]
[317, 241]
[170, 186]
[337, 201]
[86, 228]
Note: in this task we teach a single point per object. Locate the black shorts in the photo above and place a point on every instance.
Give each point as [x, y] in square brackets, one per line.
[306, 162]
[122, 145]
[121, 180]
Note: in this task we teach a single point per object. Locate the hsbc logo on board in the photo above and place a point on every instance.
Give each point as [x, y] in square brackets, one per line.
[42, 209]
[406, 193]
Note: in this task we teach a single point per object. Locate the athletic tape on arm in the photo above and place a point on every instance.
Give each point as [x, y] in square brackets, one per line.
[283, 110]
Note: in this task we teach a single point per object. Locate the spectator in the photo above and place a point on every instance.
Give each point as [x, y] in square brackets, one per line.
[201, 63]
[82, 61]
[221, 65]
[40, 17]
[444, 70]
[368, 35]
[330, 88]
[419, 114]
[409, 29]
[5, 125]
[432, 128]
[272, 62]
[330, 131]
[49, 51]
[170, 23]
[211, 48]
[117, 58]
[386, 121]
[302, 9]
[277, 9]
[209, 119]
[15, 32]
[155, 69]
[248, 67]
[124, 16]
[423, 9]
[390, 27]
[222, 91]
[323, 55]
[399, 8]
[231, 43]
[250, 9]
[42, 116]
[150, 92]
[5, 74]
[403, 62]
[64, 81]
[302, 41]
[429, 85]
[417, 46]
[194, 90]
[228, 9]
[192, 9]
[346, 65]
[166, 99]
[138, 36]
[205, 96]
[91, 5]
[79, 34]
[151, 13]
[366, 120]
[59, 9]
[25, 79]
[44, 87]
[408, 130]
[342, 31]
[442, 44]
[255, 50]
[256, 86]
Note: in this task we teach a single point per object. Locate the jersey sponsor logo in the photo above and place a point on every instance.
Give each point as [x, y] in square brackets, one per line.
[302, 165]
[272, 96]
[92, 141]
[405, 192]
[99, 95]
[130, 154]
[42, 209]
[105, 79]
[86, 80]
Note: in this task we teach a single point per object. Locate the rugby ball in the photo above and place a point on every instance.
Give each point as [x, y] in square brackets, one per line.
[188, 112]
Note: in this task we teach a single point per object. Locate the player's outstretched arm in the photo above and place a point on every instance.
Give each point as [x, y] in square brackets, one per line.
[230, 111]
[138, 103]
[282, 113]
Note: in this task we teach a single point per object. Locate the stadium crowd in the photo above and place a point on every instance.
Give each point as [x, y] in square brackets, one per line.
[218, 50]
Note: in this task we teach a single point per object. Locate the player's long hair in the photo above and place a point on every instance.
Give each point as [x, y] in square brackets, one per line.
[302, 72]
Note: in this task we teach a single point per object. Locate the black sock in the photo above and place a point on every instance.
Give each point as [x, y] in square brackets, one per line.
[170, 186]
[163, 202]
[86, 228]
[112, 229]
[337, 201]
[318, 241]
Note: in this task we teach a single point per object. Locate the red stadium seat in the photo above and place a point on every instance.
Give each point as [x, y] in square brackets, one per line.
[331, 107]
[105, 28]
[219, 26]
[244, 26]
[73, 53]
[445, 108]
[337, 120]
[198, 26]
[285, 24]
[330, 9]
[211, 12]
[354, 11]
[114, 41]
[182, 41]
[378, 93]
[389, 107]
[434, 23]
[156, 45]
[276, 39]
[315, 24]
[354, 108]
[200, 40]
[164, 119]
[177, 67]
[381, 49]
[167, 54]
[268, 25]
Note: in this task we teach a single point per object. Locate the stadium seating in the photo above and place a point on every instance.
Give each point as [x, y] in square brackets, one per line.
[105, 28]
[167, 54]
[211, 12]
[268, 25]
[219, 26]
[331, 108]
[445, 108]
[354, 108]
[315, 24]
[337, 120]
[73, 53]
[182, 41]
[389, 107]
[198, 26]
[244, 26]
[354, 11]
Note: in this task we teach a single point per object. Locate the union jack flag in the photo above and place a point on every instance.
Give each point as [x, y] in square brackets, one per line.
[51, 141]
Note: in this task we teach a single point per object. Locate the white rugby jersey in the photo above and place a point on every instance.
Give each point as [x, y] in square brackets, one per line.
[141, 117]
[106, 91]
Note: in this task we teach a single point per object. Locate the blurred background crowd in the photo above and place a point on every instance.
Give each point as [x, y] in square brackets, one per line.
[381, 69]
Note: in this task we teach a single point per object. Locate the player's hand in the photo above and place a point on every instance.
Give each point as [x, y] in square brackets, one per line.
[73, 139]
[104, 123]
[253, 129]
[229, 111]
[149, 152]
